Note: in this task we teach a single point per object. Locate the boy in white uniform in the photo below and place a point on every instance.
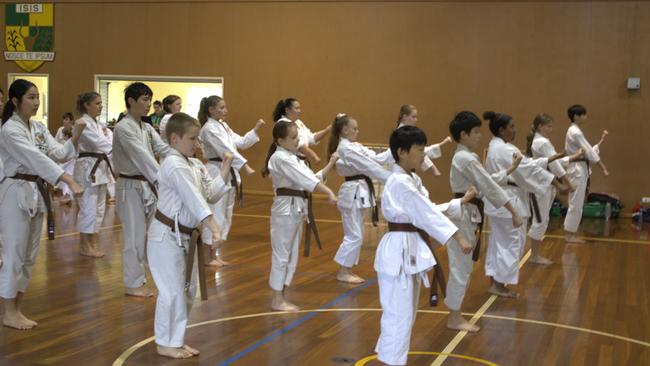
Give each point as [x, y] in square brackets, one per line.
[135, 144]
[467, 172]
[403, 257]
[292, 182]
[28, 153]
[184, 188]
[579, 170]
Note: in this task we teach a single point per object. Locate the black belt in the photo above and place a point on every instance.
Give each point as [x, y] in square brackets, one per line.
[311, 222]
[99, 157]
[195, 243]
[438, 277]
[534, 207]
[142, 178]
[373, 197]
[239, 188]
[479, 230]
[41, 184]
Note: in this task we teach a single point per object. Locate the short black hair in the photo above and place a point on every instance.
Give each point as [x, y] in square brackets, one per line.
[404, 138]
[68, 115]
[158, 103]
[135, 91]
[576, 110]
[463, 122]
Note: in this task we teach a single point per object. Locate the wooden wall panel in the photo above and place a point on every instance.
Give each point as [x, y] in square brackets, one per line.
[367, 58]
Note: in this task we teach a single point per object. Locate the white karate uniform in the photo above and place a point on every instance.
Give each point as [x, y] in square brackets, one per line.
[578, 173]
[506, 243]
[218, 138]
[467, 171]
[288, 214]
[431, 153]
[92, 204]
[543, 148]
[162, 126]
[403, 258]
[134, 146]
[110, 187]
[68, 166]
[354, 196]
[27, 150]
[183, 189]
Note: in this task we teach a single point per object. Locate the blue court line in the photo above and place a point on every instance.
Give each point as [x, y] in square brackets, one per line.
[272, 336]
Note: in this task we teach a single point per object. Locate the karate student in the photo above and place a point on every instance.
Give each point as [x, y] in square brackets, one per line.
[92, 169]
[358, 165]
[539, 146]
[135, 144]
[579, 170]
[289, 109]
[408, 116]
[403, 256]
[292, 182]
[29, 152]
[506, 241]
[184, 189]
[171, 104]
[62, 135]
[110, 187]
[217, 139]
[466, 172]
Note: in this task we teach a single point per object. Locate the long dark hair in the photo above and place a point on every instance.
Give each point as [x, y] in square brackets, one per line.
[204, 108]
[280, 131]
[497, 121]
[281, 107]
[341, 120]
[540, 120]
[17, 90]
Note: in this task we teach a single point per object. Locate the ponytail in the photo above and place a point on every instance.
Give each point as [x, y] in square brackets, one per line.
[341, 120]
[17, 90]
[204, 108]
[404, 110]
[82, 99]
[497, 121]
[281, 107]
[540, 120]
[280, 131]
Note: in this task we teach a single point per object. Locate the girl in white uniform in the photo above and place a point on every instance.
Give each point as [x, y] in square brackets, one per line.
[62, 135]
[184, 189]
[28, 151]
[292, 182]
[217, 139]
[110, 187]
[408, 116]
[579, 170]
[93, 170]
[506, 241]
[403, 256]
[358, 165]
[289, 109]
[171, 104]
[539, 146]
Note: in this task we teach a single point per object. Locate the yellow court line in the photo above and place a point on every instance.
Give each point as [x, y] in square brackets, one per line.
[364, 361]
[122, 358]
[459, 337]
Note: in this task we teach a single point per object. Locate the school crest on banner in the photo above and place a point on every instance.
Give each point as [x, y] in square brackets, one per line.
[29, 34]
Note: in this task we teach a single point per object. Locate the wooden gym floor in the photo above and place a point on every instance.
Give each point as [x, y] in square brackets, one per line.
[591, 307]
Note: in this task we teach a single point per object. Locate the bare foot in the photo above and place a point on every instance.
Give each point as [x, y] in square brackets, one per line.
[573, 239]
[139, 292]
[26, 319]
[350, 278]
[462, 325]
[216, 262]
[502, 291]
[193, 351]
[173, 352]
[17, 321]
[284, 305]
[540, 260]
[91, 253]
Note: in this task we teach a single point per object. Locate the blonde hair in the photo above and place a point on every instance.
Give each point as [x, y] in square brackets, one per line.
[179, 123]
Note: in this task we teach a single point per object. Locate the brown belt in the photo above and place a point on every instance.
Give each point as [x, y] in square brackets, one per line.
[195, 243]
[373, 197]
[438, 277]
[534, 207]
[41, 184]
[239, 188]
[142, 178]
[311, 222]
[99, 157]
[304, 158]
[479, 230]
